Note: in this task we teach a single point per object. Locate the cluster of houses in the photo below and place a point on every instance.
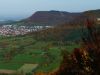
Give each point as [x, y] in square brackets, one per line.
[7, 30]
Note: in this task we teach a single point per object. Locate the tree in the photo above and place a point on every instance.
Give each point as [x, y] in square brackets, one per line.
[84, 60]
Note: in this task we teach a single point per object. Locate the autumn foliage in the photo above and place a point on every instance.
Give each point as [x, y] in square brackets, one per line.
[84, 60]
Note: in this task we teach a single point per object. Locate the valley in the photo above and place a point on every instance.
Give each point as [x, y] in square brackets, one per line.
[38, 44]
[17, 51]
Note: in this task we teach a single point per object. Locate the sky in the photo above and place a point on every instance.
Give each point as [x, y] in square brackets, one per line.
[18, 9]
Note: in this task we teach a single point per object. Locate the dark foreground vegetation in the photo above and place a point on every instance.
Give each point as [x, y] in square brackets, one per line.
[84, 60]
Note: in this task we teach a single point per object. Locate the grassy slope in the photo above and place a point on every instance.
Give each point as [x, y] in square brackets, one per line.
[33, 51]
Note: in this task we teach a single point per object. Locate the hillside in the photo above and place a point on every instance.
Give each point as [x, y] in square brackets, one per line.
[95, 13]
[67, 25]
[50, 18]
[53, 17]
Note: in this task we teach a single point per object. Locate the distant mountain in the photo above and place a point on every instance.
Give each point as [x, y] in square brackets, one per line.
[67, 25]
[52, 17]
[71, 30]
[4, 22]
[58, 17]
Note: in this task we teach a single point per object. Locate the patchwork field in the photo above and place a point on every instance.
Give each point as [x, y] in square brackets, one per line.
[17, 51]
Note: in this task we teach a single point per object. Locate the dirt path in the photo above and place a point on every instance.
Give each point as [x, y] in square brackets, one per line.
[4, 71]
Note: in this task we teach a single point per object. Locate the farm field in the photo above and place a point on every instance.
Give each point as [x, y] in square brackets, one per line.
[20, 50]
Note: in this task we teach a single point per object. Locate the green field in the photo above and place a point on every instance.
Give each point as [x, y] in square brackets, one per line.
[20, 50]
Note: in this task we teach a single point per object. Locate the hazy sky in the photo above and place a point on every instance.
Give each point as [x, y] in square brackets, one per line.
[24, 8]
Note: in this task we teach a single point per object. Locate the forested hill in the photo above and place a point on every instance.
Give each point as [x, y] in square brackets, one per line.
[53, 17]
[95, 13]
[58, 17]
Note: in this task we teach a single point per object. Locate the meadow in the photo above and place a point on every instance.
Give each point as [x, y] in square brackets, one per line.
[20, 50]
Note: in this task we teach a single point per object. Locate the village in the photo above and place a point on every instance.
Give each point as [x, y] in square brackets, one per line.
[8, 30]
